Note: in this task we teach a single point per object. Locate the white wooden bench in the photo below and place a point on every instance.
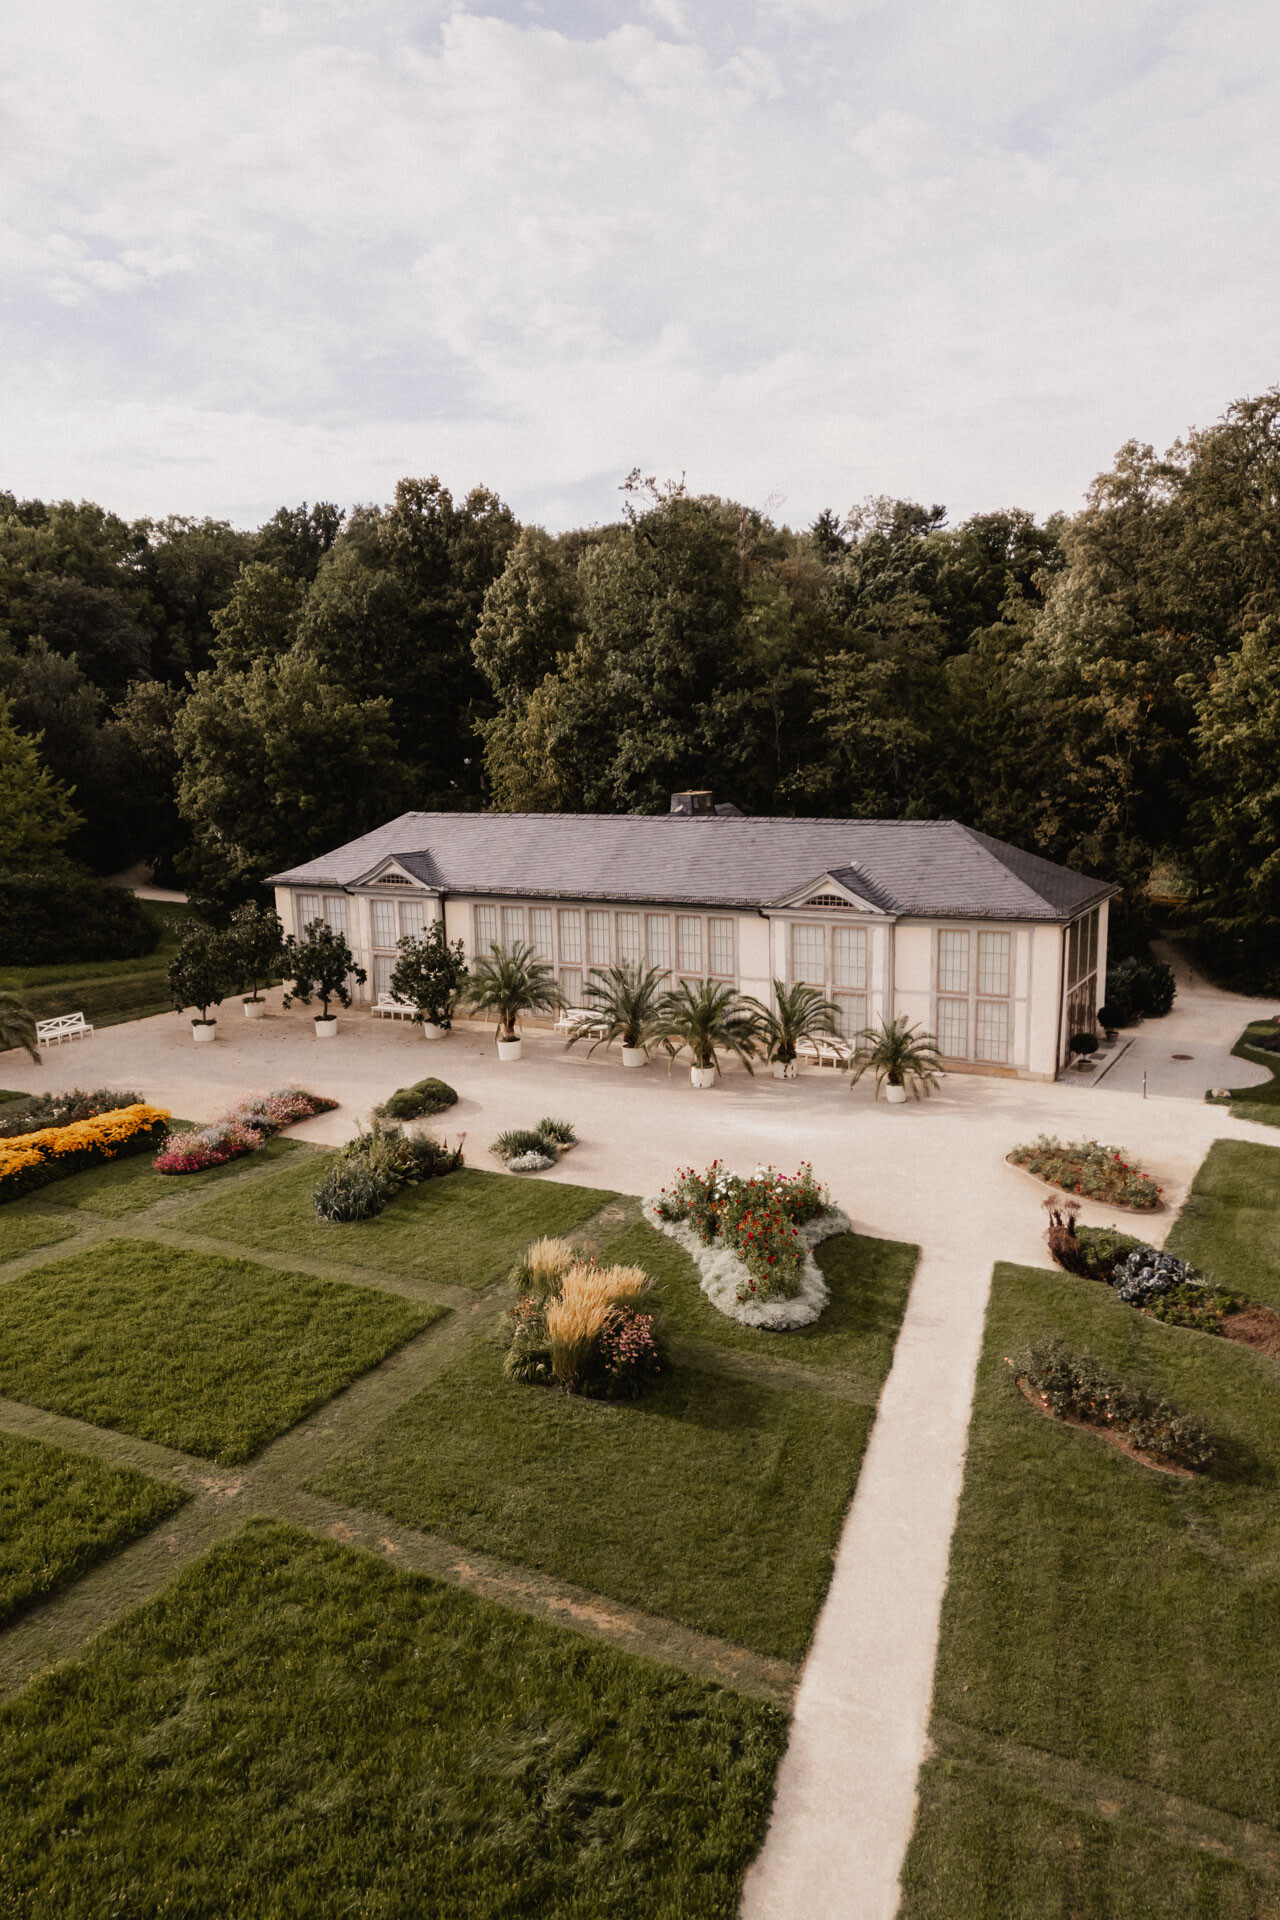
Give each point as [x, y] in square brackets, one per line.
[572, 1018]
[67, 1026]
[387, 1008]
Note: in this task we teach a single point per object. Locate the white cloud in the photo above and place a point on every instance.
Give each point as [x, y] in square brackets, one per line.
[960, 251]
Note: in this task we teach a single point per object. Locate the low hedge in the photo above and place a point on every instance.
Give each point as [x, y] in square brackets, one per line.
[32, 1160]
[418, 1102]
[62, 914]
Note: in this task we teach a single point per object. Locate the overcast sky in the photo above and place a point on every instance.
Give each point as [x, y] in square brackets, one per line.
[801, 251]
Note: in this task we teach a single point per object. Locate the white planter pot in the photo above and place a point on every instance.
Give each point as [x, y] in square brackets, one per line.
[634, 1056]
[896, 1096]
[204, 1032]
[430, 1031]
[509, 1049]
[703, 1076]
[254, 1009]
[325, 1029]
[783, 1069]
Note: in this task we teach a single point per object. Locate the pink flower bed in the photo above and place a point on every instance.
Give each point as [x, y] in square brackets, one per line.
[242, 1129]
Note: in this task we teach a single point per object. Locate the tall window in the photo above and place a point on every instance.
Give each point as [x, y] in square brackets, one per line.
[808, 954]
[484, 921]
[541, 933]
[598, 946]
[834, 960]
[307, 908]
[1082, 974]
[657, 933]
[512, 926]
[720, 949]
[571, 936]
[689, 943]
[628, 938]
[974, 1016]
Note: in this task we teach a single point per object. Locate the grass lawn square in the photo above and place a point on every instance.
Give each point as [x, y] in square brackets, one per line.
[23, 1228]
[464, 1230]
[1119, 1619]
[869, 1281]
[61, 1512]
[1230, 1225]
[293, 1729]
[716, 1500]
[122, 1187]
[209, 1355]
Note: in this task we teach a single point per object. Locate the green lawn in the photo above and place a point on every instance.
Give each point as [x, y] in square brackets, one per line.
[715, 1500]
[1115, 1618]
[1260, 1103]
[121, 1187]
[869, 1281]
[1231, 1223]
[23, 1228]
[61, 1512]
[209, 1355]
[106, 991]
[466, 1229]
[294, 1729]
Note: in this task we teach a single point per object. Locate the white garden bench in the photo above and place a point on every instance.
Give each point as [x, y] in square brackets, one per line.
[67, 1026]
[387, 1008]
[572, 1017]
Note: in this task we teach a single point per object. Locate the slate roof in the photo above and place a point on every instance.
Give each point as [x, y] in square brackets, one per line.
[935, 868]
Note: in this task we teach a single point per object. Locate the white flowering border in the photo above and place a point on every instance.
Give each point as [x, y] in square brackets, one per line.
[721, 1274]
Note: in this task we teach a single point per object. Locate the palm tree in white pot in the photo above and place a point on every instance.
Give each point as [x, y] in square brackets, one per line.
[622, 1003]
[904, 1059]
[706, 1017]
[507, 982]
[798, 1013]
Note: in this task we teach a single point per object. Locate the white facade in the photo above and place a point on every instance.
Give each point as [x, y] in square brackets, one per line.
[1002, 997]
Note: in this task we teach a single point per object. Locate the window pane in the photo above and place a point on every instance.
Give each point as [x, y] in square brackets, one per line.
[384, 923]
[308, 909]
[413, 918]
[808, 960]
[993, 962]
[335, 911]
[598, 939]
[383, 968]
[1073, 962]
[571, 985]
[689, 943]
[720, 948]
[540, 924]
[953, 962]
[953, 1029]
[992, 1036]
[571, 934]
[512, 925]
[849, 957]
[851, 1013]
[1091, 958]
[628, 938]
[485, 921]
[658, 935]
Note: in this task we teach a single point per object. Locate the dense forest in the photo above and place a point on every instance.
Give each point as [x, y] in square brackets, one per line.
[1103, 688]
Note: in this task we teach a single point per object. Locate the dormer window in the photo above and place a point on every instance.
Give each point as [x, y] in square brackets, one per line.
[831, 900]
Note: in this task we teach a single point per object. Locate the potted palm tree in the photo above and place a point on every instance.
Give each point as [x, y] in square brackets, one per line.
[255, 947]
[198, 978]
[707, 1017]
[903, 1058]
[798, 1013]
[623, 1003]
[507, 982]
[321, 963]
[17, 1026]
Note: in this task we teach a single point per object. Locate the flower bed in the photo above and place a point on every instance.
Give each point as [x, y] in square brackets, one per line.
[375, 1166]
[584, 1328]
[751, 1239]
[1157, 1283]
[1088, 1168]
[242, 1129]
[40, 1111]
[1075, 1387]
[32, 1160]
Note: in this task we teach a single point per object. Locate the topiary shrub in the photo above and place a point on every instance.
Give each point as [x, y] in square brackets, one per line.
[57, 916]
[1084, 1044]
[418, 1102]
[1140, 990]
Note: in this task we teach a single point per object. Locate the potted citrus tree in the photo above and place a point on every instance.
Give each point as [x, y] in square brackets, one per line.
[255, 949]
[321, 963]
[198, 978]
[903, 1058]
[707, 1018]
[509, 981]
[429, 975]
[798, 1013]
[622, 1003]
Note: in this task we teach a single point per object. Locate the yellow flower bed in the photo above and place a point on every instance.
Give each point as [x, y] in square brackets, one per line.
[30, 1160]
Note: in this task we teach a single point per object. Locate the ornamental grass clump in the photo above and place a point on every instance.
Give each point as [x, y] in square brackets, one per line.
[583, 1328]
[1075, 1386]
[1088, 1168]
[534, 1149]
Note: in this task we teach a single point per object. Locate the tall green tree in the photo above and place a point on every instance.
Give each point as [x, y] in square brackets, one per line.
[37, 817]
[1236, 818]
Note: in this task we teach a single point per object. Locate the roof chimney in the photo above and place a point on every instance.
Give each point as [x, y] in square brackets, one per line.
[697, 801]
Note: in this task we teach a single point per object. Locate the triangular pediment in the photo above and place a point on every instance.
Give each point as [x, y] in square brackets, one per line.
[827, 894]
[395, 872]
